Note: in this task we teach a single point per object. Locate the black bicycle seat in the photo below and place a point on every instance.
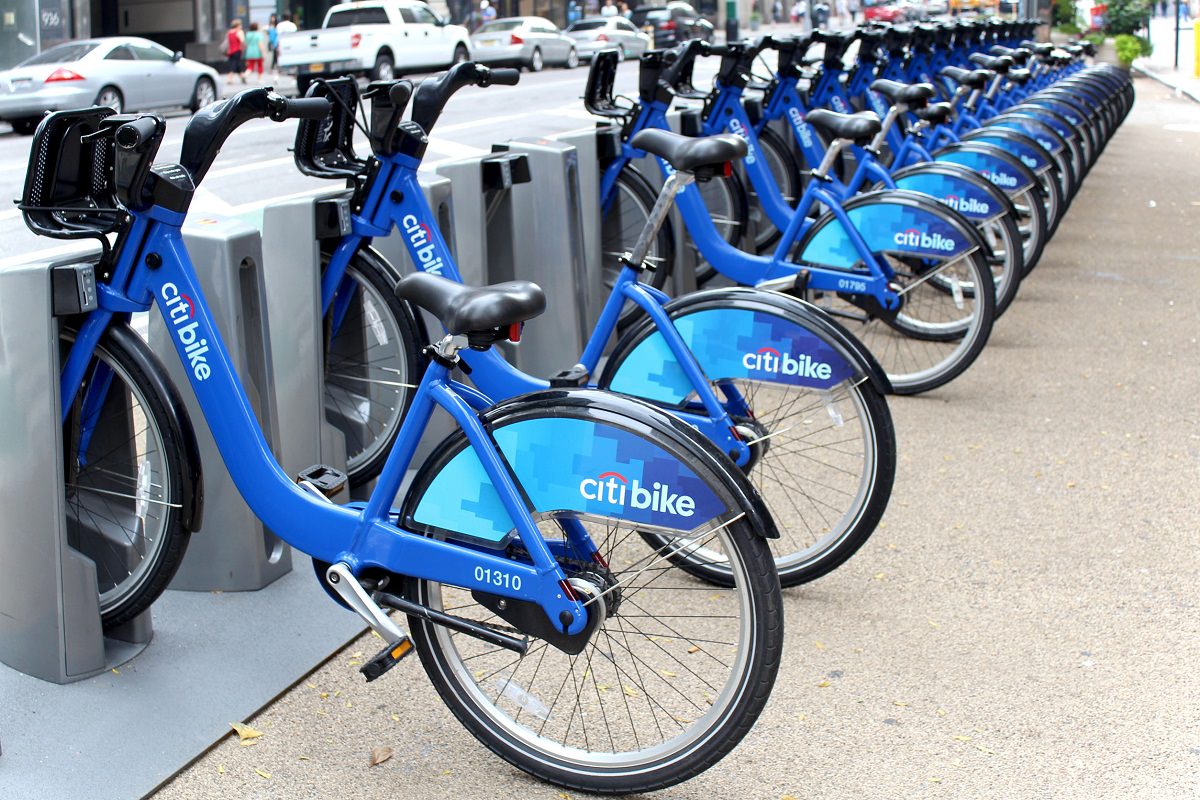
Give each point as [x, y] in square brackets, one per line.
[1000, 64]
[472, 309]
[913, 95]
[859, 128]
[935, 113]
[971, 78]
[1019, 76]
[687, 154]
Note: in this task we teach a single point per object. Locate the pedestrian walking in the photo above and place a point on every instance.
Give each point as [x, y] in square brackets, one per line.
[487, 11]
[273, 44]
[256, 45]
[235, 51]
[609, 9]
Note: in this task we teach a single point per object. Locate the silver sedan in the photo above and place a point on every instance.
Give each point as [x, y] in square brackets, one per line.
[530, 42]
[123, 72]
[600, 33]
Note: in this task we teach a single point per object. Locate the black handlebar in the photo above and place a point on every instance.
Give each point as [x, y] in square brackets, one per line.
[139, 134]
[432, 95]
[301, 108]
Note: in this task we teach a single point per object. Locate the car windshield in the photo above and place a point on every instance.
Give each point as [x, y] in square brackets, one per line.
[588, 25]
[501, 25]
[61, 54]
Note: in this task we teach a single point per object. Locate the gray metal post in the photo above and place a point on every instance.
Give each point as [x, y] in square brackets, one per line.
[293, 301]
[549, 250]
[585, 144]
[49, 604]
[233, 551]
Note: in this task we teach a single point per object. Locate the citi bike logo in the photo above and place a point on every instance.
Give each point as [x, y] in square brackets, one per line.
[739, 130]
[180, 313]
[613, 487]
[768, 359]
[1000, 178]
[838, 104]
[421, 240]
[801, 126]
[926, 241]
[966, 205]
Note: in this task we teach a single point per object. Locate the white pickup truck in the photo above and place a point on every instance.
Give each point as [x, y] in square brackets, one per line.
[377, 39]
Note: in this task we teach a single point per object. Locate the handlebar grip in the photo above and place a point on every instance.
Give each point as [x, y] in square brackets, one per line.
[506, 76]
[137, 134]
[303, 108]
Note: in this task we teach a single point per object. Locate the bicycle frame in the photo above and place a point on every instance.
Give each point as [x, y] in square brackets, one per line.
[870, 279]
[154, 268]
[495, 377]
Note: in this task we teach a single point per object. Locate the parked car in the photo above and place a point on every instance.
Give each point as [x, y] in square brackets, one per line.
[529, 42]
[380, 40]
[883, 11]
[914, 9]
[599, 33]
[939, 7]
[124, 72]
[670, 24]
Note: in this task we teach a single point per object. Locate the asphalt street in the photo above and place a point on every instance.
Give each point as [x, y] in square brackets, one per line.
[1024, 622]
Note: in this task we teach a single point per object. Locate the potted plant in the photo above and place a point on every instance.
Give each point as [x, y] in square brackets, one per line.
[755, 20]
[1130, 47]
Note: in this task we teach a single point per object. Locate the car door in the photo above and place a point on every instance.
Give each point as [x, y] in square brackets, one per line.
[426, 37]
[554, 45]
[165, 83]
[121, 69]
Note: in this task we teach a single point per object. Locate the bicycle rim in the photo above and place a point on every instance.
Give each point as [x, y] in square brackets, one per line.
[119, 504]
[669, 664]
[367, 375]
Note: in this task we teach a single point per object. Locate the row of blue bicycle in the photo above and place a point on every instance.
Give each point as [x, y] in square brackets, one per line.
[591, 564]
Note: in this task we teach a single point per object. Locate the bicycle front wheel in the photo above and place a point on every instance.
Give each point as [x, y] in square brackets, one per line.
[124, 456]
[373, 364]
[675, 676]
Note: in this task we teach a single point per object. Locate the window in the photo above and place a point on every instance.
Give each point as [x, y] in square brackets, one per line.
[422, 16]
[122, 53]
[625, 25]
[358, 16]
[150, 53]
[588, 25]
[504, 25]
[61, 54]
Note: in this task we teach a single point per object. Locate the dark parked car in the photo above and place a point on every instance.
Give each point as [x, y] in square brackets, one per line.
[670, 24]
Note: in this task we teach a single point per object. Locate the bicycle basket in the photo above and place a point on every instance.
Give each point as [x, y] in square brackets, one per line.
[325, 147]
[69, 191]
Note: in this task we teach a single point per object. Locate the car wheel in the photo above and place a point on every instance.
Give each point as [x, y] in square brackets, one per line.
[535, 61]
[385, 68]
[572, 59]
[205, 94]
[111, 96]
[25, 127]
[461, 54]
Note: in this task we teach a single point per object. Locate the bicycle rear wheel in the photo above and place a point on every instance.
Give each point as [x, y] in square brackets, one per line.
[125, 465]
[672, 680]
[373, 363]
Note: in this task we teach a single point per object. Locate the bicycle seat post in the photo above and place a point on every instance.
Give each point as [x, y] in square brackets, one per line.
[675, 182]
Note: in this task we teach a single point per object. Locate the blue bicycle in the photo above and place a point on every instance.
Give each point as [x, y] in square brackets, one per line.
[896, 267]
[534, 554]
[791, 397]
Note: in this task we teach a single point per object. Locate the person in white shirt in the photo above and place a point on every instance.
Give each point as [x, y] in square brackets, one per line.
[609, 10]
[286, 26]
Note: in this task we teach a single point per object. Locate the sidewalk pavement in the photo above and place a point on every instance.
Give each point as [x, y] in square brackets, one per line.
[1161, 65]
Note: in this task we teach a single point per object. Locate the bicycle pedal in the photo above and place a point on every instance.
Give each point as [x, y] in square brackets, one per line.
[387, 658]
[575, 377]
[326, 480]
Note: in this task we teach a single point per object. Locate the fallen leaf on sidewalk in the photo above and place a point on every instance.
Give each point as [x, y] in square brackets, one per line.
[220, 769]
[262, 773]
[244, 731]
[380, 755]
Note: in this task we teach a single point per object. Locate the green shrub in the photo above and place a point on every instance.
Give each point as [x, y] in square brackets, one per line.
[1126, 16]
[1063, 14]
[1097, 39]
[1130, 47]
[1068, 28]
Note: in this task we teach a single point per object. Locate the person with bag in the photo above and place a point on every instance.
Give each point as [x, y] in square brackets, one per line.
[234, 48]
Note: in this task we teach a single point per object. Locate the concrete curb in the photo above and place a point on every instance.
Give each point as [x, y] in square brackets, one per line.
[1194, 97]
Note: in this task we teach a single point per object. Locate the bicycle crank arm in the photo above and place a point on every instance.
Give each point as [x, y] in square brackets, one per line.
[489, 635]
[352, 593]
